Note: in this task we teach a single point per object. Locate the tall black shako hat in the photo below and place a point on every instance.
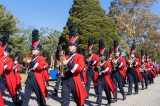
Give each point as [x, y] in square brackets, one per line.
[102, 49]
[116, 47]
[132, 51]
[90, 44]
[73, 38]
[4, 40]
[35, 40]
[142, 54]
[16, 56]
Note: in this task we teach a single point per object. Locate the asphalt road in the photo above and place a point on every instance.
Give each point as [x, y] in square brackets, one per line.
[147, 97]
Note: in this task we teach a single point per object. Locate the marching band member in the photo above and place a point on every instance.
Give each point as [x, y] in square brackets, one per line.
[74, 64]
[118, 65]
[35, 81]
[104, 81]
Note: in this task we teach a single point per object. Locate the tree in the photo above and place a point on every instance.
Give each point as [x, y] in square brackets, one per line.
[49, 44]
[21, 42]
[136, 23]
[7, 22]
[92, 22]
[134, 19]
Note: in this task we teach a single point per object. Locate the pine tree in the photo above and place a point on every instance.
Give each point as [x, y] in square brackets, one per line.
[92, 22]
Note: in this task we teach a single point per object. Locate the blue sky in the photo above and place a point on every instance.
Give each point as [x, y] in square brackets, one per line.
[48, 13]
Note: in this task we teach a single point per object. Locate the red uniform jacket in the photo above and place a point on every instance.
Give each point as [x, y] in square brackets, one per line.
[10, 76]
[95, 61]
[1, 59]
[1, 71]
[152, 72]
[39, 75]
[1, 99]
[85, 74]
[122, 67]
[107, 71]
[136, 68]
[45, 72]
[79, 64]
[16, 69]
[147, 66]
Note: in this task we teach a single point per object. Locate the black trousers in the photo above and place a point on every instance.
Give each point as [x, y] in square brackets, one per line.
[90, 78]
[144, 80]
[150, 77]
[132, 79]
[31, 85]
[117, 79]
[103, 85]
[68, 86]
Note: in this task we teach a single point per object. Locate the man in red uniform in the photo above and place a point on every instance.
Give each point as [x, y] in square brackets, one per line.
[16, 69]
[118, 65]
[133, 72]
[91, 62]
[143, 70]
[74, 64]
[35, 81]
[104, 81]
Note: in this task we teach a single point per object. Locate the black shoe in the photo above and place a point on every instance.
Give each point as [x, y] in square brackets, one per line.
[129, 93]
[136, 92]
[143, 88]
[146, 87]
[19, 102]
[99, 104]
[109, 104]
[124, 97]
[114, 99]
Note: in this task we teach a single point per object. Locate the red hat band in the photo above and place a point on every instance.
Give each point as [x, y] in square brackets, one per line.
[101, 51]
[73, 39]
[34, 44]
[116, 49]
[132, 51]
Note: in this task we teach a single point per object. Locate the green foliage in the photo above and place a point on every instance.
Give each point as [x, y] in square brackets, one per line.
[19, 45]
[92, 23]
[137, 24]
[7, 21]
[21, 42]
[49, 44]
